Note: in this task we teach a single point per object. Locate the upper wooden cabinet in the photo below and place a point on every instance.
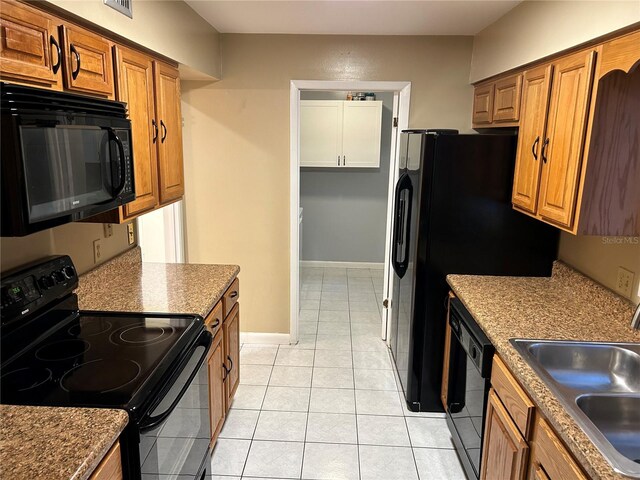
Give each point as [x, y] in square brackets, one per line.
[134, 71]
[535, 98]
[483, 104]
[497, 103]
[551, 138]
[564, 141]
[41, 50]
[576, 166]
[506, 104]
[609, 200]
[551, 141]
[337, 133]
[30, 50]
[170, 163]
[151, 90]
[88, 64]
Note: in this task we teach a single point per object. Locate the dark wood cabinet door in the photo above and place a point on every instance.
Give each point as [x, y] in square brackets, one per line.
[483, 104]
[135, 87]
[29, 47]
[566, 130]
[170, 163]
[217, 380]
[232, 352]
[505, 452]
[531, 137]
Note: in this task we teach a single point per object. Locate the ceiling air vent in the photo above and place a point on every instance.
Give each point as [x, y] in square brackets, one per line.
[123, 6]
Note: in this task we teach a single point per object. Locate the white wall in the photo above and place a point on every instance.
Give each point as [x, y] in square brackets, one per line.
[535, 29]
[345, 210]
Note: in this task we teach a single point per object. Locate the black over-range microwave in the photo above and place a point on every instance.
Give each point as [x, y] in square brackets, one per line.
[64, 158]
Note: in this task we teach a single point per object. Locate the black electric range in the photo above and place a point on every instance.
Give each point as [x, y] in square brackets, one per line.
[151, 365]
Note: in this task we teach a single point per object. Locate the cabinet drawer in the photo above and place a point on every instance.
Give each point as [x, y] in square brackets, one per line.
[230, 297]
[110, 467]
[515, 400]
[215, 318]
[550, 454]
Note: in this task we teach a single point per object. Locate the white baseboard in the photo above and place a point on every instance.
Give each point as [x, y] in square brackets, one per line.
[322, 264]
[264, 338]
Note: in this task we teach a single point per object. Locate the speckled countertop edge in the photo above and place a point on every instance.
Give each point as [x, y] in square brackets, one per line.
[126, 284]
[567, 306]
[56, 443]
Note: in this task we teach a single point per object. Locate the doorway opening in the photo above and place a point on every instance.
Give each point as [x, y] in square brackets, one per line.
[345, 232]
[161, 234]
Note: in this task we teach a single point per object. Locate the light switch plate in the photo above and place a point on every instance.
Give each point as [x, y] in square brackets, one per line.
[624, 283]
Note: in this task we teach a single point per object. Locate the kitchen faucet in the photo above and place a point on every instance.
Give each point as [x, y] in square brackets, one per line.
[635, 320]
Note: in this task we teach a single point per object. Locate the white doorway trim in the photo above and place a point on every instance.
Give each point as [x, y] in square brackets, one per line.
[402, 97]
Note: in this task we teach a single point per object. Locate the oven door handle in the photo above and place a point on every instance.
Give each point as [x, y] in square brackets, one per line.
[148, 422]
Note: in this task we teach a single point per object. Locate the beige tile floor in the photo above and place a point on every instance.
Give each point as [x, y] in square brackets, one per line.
[330, 407]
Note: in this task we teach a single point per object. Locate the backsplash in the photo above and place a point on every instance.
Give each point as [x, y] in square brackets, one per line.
[600, 257]
[73, 239]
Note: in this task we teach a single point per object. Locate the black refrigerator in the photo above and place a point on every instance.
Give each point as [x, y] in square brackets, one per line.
[453, 214]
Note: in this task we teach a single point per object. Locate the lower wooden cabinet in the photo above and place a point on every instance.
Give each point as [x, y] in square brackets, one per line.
[217, 374]
[110, 467]
[232, 352]
[518, 442]
[223, 361]
[444, 387]
[505, 452]
[549, 457]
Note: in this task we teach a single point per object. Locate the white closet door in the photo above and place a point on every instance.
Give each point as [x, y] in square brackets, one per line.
[361, 130]
[320, 133]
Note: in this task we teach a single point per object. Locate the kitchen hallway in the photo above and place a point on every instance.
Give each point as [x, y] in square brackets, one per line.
[330, 407]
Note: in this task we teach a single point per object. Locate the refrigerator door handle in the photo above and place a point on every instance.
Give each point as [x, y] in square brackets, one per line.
[400, 225]
[406, 223]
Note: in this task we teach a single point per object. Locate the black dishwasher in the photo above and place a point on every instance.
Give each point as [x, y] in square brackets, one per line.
[471, 355]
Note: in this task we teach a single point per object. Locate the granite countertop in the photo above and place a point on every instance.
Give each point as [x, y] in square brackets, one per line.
[565, 306]
[54, 443]
[127, 284]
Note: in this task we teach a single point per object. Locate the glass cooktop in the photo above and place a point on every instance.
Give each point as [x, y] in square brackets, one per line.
[96, 359]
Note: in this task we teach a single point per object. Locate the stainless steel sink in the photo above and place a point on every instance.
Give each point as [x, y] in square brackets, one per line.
[599, 385]
[618, 419]
[589, 366]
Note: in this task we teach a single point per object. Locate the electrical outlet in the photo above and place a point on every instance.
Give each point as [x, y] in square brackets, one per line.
[132, 235]
[97, 250]
[108, 230]
[624, 283]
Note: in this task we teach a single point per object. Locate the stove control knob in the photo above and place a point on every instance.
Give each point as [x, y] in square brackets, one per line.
[57, 276]
[45, 283]
[69, 272]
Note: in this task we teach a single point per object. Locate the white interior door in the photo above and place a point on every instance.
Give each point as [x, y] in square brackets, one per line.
[320, 133]
[393, 178]
[361, 133]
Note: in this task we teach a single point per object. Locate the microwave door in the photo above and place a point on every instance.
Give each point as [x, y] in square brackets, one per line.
[66, 168]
